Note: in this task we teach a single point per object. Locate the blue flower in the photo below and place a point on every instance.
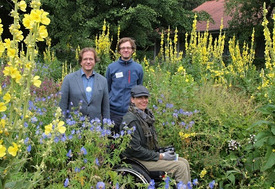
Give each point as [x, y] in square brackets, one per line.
[26, 140]
[182, 123]
[212, 184]
[100, 185]
[66, 183]
[169, 105]
[69, 154]
[117, 186]
[116, 136]
[34, 119]
[97, 162]
[77, 169]
[167, 180]
[195, 182]
[63, 138]
[85, 160]
[56, 139]
[189, 185]
[181, 185]
[82, 118]
[83, 151]
[29, 148]
[152, 184]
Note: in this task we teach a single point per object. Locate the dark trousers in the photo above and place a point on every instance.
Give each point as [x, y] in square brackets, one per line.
[117, 120]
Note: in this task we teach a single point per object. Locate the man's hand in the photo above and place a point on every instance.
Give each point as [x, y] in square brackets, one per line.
[170, 155]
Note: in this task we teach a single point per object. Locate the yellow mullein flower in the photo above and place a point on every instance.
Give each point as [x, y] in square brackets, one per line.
[44, 19]
[27, 22]
[28, 65]
[60, 127]
[48, 129]
[35, 4]
[43, 33]
[273, 150]
[13, 72]
[22, 5]
[180, 69]
[18, 35]
[36, 15]
[36, 81]
[2, 126]
[2, 107]
[2, 48]
[2, 151]
[13, 149]
[1, 27]
[18, 78]
[7, 97]
[203, 173]
[7, 43]
[11, 52]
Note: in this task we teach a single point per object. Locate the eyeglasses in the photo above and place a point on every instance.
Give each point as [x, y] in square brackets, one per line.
[126, 48]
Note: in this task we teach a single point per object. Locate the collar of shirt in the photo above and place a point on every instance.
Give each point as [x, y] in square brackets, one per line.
[82, 73]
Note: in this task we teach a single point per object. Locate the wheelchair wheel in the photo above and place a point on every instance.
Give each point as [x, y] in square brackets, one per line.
[137, 173]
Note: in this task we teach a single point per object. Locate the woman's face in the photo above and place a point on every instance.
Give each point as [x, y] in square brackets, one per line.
[140, 102]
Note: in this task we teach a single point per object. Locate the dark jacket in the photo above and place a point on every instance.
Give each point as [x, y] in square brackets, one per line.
[138, 146]
[121, 77]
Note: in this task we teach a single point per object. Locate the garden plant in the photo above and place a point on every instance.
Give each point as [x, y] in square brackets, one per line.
[217, 114]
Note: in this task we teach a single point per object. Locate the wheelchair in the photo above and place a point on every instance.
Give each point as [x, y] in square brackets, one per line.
[135, 169]
[139, 173]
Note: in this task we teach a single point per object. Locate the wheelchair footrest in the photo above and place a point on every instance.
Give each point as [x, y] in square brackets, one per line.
[157, 175]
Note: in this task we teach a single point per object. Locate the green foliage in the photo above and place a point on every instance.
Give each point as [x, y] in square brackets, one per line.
[208, 125]
[266, 140]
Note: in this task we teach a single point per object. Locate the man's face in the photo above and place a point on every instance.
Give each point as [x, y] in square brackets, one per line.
[126, 51]
[140, 102]
[88, 61]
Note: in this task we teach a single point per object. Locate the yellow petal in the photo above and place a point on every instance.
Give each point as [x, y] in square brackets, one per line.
[2, 107]
[2, 151]
[61, 129]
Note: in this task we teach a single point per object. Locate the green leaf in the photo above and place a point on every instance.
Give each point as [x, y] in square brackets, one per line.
[271, 140]
[270, 162]
[260, 123]
[262, 138]
[273, 129]
[232, 179]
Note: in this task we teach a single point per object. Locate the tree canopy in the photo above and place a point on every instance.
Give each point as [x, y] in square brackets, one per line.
[77, 22]
[246, 15]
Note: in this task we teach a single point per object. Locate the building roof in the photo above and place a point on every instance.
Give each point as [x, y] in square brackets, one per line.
[216, 10]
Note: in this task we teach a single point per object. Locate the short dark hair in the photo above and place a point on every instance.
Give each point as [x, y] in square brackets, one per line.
[86, 49]
[125, 39]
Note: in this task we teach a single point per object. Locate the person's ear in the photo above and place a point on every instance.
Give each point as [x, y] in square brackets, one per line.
[132, 100]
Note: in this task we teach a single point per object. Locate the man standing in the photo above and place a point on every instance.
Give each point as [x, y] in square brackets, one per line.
[86, 89]
[121, 76]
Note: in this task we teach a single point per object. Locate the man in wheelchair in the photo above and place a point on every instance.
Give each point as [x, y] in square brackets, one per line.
[144, 145]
